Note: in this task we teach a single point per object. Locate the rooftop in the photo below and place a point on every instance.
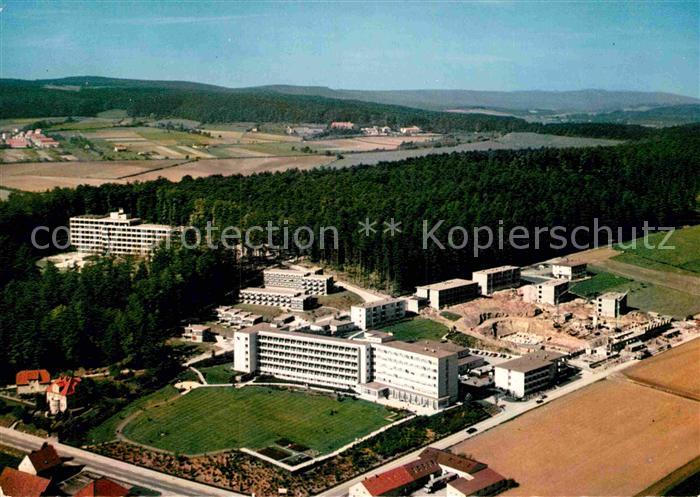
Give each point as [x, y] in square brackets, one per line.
[447, 284]
[102, 487]
[267, 328]
[426, 347]
[530, 362]
[367, 305]
[280, 270]
[495, 270]
[482, 479]
[14, 482]
[45, 458]
[569, 263]
[457, 462]
[613, 296]
[555, 282]
[25, 376]
[395, 479]
[273, 290]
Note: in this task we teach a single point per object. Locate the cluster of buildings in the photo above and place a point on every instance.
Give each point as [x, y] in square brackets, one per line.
[57, 391]
[43, 473]
[116, 233]
[288, 288]
[434, 469]
[236, 318]
[375, 130]
[27, 139]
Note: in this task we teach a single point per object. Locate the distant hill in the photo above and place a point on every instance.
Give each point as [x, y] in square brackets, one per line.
[521, 101]
[73, 82]
[659, 116]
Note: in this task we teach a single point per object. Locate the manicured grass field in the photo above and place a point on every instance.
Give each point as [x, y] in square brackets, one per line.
[218, 374]
[210, 419]
[600, 283]
[685, 256]
[416, 329]
[106, 431]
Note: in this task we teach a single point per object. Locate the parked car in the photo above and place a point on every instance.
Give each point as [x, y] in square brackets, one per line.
[472, 430]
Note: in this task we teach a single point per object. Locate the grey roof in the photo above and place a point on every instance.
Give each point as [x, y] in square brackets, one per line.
[531, 362]
[447, 284]
[426, 347]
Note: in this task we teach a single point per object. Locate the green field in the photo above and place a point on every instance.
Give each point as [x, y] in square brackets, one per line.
[599, 283]
[416, 329]
[218, 374]
[684, 258]
[340, 300]
[106, 431]
[210, 419]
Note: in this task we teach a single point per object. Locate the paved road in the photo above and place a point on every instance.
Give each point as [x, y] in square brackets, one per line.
[510, 411]
[135, 475]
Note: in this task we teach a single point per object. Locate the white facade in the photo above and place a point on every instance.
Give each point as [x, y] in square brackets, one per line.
[277, 297]
[449, 292]
[497, 278]
[117, 233]
[611, 304]
[374, 314]
[312, 283]
[528, 374]
[569, 270]
[550, 292]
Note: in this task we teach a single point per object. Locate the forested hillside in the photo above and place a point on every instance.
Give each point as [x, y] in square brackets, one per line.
[115, 311]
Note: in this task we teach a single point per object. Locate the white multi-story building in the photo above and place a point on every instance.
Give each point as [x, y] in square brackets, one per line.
[310, 282]
[374, 314]
[551, 291]
[116, 233]
[301, 357]
[422, 374]
[527, 374]
[569, 270]
[497, 278]
[237, 318]
[611, 304]
[275, 296]
[449, 292]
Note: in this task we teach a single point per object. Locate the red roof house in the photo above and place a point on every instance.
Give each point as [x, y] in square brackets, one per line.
[14, 483]
[485, 482]
[102, 487]
[58, 392]
[401, 479]
[32, 380]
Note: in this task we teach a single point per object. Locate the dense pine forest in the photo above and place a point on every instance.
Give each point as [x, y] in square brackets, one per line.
[120, 310]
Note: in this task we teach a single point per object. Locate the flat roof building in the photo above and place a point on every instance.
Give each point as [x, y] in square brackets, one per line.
[115, 233]
[611, 304]
[527, 374]
[569, 270]
[302, 357]
[497, 278]
[310, 282]
[448, 292]
[375, 314]
[275, 296]
[551, 291]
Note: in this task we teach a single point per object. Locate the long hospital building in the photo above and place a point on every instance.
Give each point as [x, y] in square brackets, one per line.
[421, 375]
[115, 233]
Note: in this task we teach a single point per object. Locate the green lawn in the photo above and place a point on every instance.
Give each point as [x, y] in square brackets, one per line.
[416, 329]
[210, 419]
[340, 300]
[649, 297]
[684, 257]
[106, 431]
[599, 283]
[218, 374]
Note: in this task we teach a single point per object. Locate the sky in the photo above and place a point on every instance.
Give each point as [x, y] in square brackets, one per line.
[496, 45]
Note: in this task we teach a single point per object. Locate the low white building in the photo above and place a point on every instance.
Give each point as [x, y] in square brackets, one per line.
[198, 333]
[548, 292]
[275, 296]
[527, 374]
[497, 278]
[569, 270]
[313, 283]
[448, 292]
[375, 314]
[611, 304]
[59, 392]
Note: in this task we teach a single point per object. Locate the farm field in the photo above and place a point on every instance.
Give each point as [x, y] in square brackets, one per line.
[583, 443]
[416, 329]
[677, 370]
[683, 259]
[210, 419]
[597, 284]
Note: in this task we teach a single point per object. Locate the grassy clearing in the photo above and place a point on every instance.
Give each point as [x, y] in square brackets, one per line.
[210, 419]
[173, 137]
[106, 431]
[450, 315]
[599, 283]
[218, 374]
[340, 300]
[265, 311]
[416, 329]
[684, 258]
[649, 297]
